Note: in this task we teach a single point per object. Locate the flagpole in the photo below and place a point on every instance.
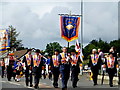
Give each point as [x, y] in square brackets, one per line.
[81, 25]
[68, 34]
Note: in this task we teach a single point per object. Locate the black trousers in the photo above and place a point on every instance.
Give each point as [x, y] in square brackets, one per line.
[65, 72]
[37, 75]
[28, 76]
[10, 73]
[55, 76]
[95, 72]
[3, 68]
[74, 75]
[111, 73]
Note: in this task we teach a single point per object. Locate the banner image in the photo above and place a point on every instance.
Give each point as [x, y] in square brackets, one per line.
[69, 27]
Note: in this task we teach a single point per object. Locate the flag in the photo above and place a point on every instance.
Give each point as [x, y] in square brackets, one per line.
[69, 27]
[4, 40]
[79, 50]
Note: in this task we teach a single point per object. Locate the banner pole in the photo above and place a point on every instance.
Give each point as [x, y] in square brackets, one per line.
[68, 46]
[81, 25]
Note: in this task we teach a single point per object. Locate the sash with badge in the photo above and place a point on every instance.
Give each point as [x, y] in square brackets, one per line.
[74, 60]
[55, 61]
[36, 60]
[110, 62]
[94, 59]
[28, 59]
[64, 59]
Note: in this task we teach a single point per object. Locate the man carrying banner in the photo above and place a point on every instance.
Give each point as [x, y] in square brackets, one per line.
[64, 61]
[75, 63]
[28, 60]
[55, 68]
[37, 67]
[79, 52]
[94, 64]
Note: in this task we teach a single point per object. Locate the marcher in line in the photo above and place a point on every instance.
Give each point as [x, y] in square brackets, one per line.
[64, 60]
[3, 67]
[37, 67]
[55, 68]
[75, 67]
[95, 65]
[28, 60]
[111, 64]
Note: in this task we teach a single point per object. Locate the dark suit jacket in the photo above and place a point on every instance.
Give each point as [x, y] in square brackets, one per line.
[115, 63]
[25, 61]
[90, 64]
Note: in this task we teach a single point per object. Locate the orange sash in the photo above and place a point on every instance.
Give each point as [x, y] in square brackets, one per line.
[110, 62]
[55, 60]
[28, 59]
[2, 63]
[36, 60]
[94, 59]
[63, 60]
[74, 59]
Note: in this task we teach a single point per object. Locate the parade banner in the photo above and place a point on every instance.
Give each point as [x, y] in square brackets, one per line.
[4, 40]
[69, 27]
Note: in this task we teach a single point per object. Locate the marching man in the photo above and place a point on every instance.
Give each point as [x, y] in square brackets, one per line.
[111, 65]
[11, 59]
[2, 63]
[55, 68]
[28, 60]
[75, 63]
[37, 67]
[64, 61]
[95, 65]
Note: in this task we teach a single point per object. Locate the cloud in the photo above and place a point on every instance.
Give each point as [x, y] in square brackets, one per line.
[38, 23]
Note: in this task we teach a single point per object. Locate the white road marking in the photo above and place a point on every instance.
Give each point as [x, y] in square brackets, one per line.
[14, 83]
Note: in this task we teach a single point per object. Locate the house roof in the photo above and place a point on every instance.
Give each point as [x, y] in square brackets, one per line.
[20, 53]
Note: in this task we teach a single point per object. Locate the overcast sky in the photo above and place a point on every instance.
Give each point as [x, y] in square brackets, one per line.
[38, 22]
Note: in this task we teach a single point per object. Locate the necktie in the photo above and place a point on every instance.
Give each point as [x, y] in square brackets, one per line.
[65, 55]
[94, 56]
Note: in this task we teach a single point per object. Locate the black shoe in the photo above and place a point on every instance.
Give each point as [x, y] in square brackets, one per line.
[95, 84]
[55, 86]
[26, 84]
[111, 85]
[64, 88]
[31, 85]
[9, 80]
[36, 87]
[74, 86]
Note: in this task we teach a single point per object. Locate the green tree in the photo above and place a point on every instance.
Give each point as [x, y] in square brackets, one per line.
[71, 48]
[116, 44]
[88, 50]
[51, 47]
[14, 42]
[104, 46]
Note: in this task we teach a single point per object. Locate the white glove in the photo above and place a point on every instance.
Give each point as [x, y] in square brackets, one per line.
[89, 68]
[104, 69]
[117, 69]
[42, 71]
[49, 71]
[67, 59]
[30, 71]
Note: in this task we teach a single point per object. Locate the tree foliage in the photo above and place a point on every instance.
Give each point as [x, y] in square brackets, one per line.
[14, 41]
[103, 45]
[50, 48]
